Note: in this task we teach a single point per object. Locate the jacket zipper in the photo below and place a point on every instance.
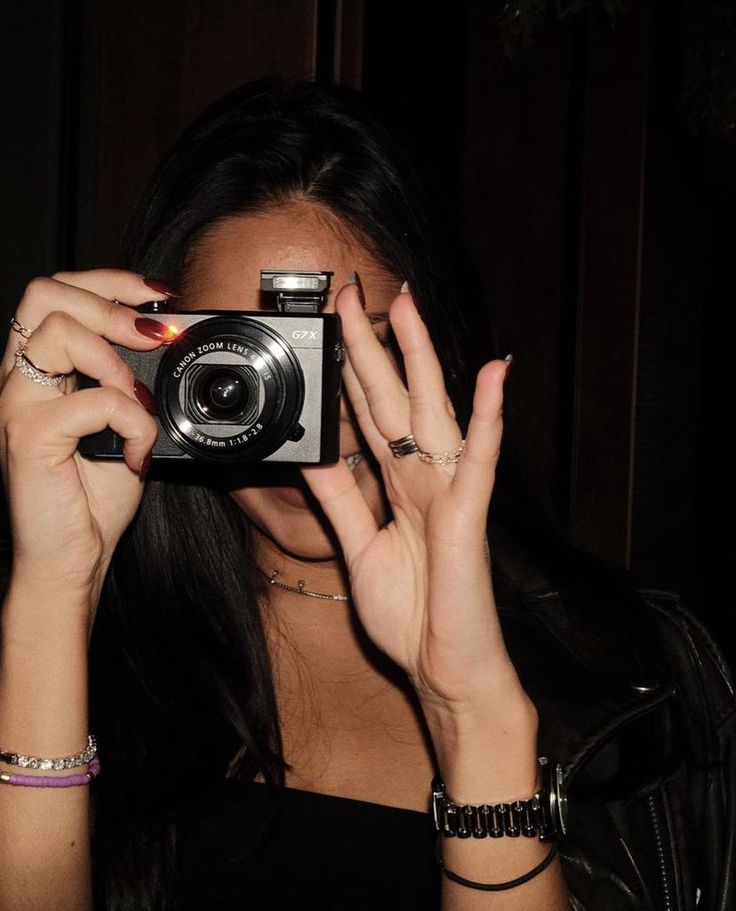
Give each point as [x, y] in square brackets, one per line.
[660, 838]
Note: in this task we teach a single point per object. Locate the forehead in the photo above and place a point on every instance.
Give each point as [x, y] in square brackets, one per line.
[223, 268]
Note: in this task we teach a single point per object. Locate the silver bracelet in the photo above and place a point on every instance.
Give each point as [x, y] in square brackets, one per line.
[63, 762]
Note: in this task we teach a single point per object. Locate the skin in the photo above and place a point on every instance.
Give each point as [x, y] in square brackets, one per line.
[224, 272]
[412, 675]
[418, 572]
[435, 543]
[319, 650]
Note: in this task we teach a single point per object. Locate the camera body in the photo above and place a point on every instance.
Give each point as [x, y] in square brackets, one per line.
[243, 386]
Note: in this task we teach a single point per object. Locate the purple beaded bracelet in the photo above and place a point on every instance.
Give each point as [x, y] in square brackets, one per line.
[46, 781]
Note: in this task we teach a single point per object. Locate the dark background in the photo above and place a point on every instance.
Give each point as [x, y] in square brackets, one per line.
[588, 154]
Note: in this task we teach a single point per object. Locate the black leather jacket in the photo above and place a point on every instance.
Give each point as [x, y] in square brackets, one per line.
[636, 703]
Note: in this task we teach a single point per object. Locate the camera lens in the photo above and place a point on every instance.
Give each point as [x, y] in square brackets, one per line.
[223, 394]
[230, 388]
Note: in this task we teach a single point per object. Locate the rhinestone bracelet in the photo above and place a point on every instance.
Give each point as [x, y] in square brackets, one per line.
[64, 762]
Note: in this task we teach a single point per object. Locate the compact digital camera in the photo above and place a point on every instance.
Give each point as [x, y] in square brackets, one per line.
[243, 386]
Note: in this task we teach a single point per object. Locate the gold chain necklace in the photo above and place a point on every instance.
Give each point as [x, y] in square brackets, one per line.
[299, 589]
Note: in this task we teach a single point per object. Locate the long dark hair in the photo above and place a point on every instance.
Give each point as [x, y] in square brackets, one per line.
[180, 676]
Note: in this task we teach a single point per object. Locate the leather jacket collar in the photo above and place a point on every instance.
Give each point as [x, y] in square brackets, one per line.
[587, 655]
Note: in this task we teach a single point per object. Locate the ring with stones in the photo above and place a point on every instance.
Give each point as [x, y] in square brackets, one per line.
[43, 377]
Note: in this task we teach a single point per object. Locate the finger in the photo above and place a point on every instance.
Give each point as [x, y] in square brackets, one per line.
[344, 505]
[476, 470]
[62, 345]
[51, 430]
[128, 287]
[362, 411]
[104, 316]
[432, 415]
[384, 392]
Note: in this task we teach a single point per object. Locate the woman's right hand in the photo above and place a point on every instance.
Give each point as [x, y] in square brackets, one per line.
[67, 512]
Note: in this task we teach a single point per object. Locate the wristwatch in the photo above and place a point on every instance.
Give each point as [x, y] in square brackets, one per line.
[543, 816]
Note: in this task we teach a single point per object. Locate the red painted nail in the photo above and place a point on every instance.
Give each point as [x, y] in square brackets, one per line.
[145, 466]
[161, 287]
[145, 397]
[152, 328]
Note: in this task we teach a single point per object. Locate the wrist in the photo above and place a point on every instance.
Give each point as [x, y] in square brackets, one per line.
[487, 755]
[541, 812]
[61, 576]
[35, 613]
[43, 673]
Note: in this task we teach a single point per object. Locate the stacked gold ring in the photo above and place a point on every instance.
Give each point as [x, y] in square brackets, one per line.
[407, 445]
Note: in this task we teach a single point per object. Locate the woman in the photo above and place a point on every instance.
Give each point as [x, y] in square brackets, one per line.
[212, 688]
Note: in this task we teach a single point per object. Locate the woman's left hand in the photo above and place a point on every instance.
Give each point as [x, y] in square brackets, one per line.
[421, 584]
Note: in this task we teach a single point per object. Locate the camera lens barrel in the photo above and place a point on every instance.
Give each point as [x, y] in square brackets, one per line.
[239, 386]
[230, 388]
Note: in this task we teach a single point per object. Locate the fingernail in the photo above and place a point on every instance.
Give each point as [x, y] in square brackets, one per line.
[145, 397]
[145, 466]
[405, 289]
[355, 279]
[152, 328]
[161, 287]
[509, 361]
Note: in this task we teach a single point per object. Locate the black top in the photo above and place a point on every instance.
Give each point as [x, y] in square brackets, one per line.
[253, 847]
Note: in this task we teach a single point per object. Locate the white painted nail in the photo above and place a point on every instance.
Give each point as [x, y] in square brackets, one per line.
[405, 288]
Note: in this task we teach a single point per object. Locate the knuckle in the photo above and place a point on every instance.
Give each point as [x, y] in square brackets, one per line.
[57, 323]
[39, 285]
[38, 290]
[361, 408]
[421, 405]
[113, 401]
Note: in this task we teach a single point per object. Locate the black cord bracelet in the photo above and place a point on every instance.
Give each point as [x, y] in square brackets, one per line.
[493, 887]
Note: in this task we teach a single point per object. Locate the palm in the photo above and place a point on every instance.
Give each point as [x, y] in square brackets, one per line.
[83, 511]
[420, 584]
[112, 493]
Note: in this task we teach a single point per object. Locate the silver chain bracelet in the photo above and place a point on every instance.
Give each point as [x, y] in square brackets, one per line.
[63, 762]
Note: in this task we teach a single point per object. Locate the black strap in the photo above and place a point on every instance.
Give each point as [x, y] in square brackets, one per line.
[493, 887]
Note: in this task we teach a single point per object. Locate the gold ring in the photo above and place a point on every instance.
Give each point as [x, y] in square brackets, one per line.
[43, 377]
[448, 457]
[18, 327]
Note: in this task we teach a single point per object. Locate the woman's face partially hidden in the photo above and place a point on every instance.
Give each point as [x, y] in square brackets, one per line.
[223, 272]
